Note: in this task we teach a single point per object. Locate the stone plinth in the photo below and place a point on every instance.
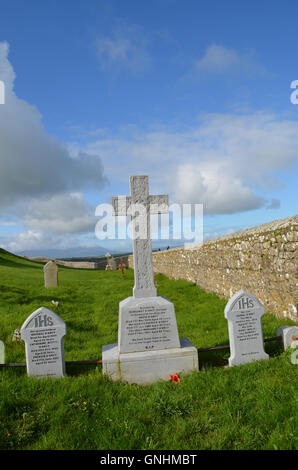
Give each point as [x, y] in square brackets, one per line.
[147, 367]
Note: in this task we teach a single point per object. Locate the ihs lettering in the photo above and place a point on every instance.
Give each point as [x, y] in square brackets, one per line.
[245, 303]
[44, 321]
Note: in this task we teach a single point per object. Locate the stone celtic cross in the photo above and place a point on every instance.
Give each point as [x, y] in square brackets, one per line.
[140, 205]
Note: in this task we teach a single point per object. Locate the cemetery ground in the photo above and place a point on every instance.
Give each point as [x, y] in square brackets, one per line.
[252, 406]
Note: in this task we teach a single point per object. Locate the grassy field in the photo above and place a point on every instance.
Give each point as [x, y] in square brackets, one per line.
[252, 406]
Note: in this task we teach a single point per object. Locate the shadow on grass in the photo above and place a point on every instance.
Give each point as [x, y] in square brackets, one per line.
[273, 348]
[207, 360]
[213, 359]
[70, 370]
[75, 371]
[220, 358]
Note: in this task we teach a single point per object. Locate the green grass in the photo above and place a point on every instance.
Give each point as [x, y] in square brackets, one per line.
[252, 406]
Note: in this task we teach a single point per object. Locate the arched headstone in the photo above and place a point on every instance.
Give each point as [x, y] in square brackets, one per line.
[50, 274]
[43, 333]
[244, 313]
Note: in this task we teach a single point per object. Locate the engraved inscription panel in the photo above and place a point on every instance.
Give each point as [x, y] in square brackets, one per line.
[147, 325]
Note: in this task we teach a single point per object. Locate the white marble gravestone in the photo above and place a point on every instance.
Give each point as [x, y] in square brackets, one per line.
[244, 313]
[288, 334]
[50, 274]
[148, 348]
[43, 333]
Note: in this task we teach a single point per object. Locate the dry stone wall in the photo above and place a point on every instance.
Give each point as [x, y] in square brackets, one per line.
[261, 260]
[80, 264]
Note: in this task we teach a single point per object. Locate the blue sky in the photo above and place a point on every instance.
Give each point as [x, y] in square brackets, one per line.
[194, 94]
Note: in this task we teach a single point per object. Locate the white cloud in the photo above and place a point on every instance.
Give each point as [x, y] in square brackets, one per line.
[218, 191]
[228, 161]
[61, 213]
[125, 48]
[40, 179]
[34, 163]
[33, 240]
[219, 59]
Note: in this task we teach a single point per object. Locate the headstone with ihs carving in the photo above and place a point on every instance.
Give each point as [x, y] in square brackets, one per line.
[43, 333]
[244, 314]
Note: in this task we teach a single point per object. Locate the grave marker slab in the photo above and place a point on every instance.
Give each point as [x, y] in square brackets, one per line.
[50, 274]
[244, 313]
[288, 334]
[148, 348]
[43, 333]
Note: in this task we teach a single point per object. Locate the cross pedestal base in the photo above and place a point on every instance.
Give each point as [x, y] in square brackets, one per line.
[147, 367]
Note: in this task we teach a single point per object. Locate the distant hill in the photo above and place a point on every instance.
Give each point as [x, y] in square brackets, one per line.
[79, 252]
[10, 259]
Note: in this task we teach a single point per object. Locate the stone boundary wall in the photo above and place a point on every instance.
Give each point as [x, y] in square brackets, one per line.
[71, 264]
[89, 264]
[80, 264]
[261, 260]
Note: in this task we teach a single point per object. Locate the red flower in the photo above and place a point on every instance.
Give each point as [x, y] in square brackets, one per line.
[122, 267]
[175, 378]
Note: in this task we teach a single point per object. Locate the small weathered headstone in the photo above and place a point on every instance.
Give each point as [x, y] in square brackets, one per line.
[50, 274]
[288, 334]
[43, 333]
[244, 313]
